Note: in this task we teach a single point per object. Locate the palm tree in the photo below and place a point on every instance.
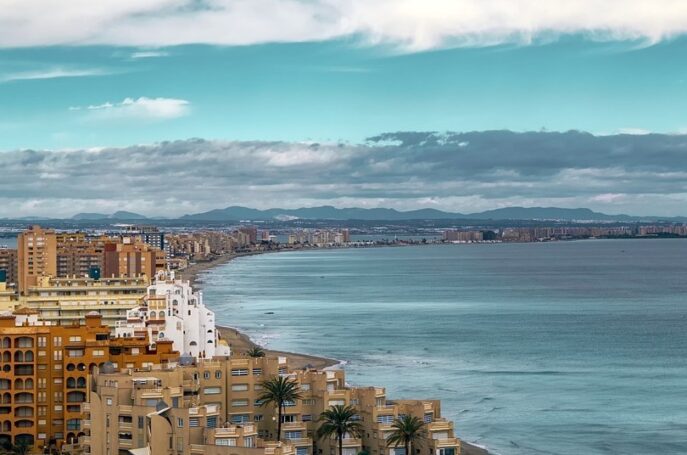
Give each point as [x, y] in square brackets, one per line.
[407, 430]
[256, 351]
[278, 391]
[338, 421]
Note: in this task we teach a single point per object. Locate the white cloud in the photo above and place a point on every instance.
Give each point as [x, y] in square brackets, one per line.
[149, 54]
[411, 24]
[142, 108]
[51, 73]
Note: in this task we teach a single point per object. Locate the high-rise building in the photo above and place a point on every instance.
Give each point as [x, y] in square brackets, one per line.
[45, 372]
[36, 256]
[131, 258]
[8, 263]
[77, 254]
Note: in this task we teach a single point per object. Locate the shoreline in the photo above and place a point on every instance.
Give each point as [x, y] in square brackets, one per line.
[240, 342]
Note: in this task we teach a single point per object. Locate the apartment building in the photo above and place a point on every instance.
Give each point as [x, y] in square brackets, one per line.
[8, 263]
[78, 254]
[44, 374]
[129, 257]
[172, 310]
[7, 296]
[69, 300]
[36, 256]
[208, 405]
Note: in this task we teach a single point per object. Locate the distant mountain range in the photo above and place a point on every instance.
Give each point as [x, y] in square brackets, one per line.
[381, 214]
[326, 212]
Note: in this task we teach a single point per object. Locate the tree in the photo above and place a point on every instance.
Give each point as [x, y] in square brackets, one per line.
[407, 431]
[338, 421]
[256, 351]
[279, 391]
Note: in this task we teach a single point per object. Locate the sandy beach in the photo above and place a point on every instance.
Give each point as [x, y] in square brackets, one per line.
[240, 343]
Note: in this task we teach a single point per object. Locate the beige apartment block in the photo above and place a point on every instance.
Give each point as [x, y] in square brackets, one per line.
[68, 300]
[212, 406]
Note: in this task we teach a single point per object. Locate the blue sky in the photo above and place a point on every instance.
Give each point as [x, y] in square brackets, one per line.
[339, 90]
[167, 107]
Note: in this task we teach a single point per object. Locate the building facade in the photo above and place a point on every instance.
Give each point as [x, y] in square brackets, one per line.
[45, 369]
[172, 310]
[36, 256]
[68, 300]
[207, 406]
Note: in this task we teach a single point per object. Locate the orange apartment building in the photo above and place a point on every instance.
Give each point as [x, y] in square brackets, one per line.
[44, 374]
[36, 256]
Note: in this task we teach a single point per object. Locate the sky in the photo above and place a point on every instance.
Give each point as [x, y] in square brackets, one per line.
[275, 102]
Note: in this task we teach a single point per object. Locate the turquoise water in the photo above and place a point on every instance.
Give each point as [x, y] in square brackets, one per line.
[555, 348]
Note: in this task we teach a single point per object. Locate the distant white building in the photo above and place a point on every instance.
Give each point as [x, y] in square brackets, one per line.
[172, 311]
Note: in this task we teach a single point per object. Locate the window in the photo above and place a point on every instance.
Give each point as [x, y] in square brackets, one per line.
[75, 352]
[125, 435]
[211, 422]
[125, 419]
[98, 352]
[257, 418]
[309, 402]
[292, 434]
[109, 401]
[239, 387]
[447, 451]
[212, 390]
[301, 451]
[218, 374]
[74, 424]
[385, 419]
[257, 371]
[239, 403]
[180, 422]
[230, 442]
[288, 418]
[248, 441]
[193, 422]
[307, 418]
[57, 355]
[429, 417]
[206, 375]
[282, 370]
[74, 339]
[42, 342]
[57, 341]
[289, 403]
[240, 418]
[305, 387]
[140, 421]
[239, 372]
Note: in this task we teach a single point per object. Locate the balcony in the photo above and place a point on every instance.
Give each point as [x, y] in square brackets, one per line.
[352, 442]
[447, 442]
[440, 425]
[293, 426]
[300, 442]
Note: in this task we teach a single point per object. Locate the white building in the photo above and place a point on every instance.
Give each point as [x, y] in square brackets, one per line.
[172, 311]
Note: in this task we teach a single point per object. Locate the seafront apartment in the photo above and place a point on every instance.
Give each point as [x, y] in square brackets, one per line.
[45, 370]
[211, 406]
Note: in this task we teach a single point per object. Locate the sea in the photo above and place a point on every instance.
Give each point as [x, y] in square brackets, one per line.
[534, 348]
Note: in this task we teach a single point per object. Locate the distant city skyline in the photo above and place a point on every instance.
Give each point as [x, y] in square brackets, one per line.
[99, 105]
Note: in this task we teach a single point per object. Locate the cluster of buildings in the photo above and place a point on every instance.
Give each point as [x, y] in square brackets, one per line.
[319, 237]
[539, 234]
[213, 407]
[104, 351]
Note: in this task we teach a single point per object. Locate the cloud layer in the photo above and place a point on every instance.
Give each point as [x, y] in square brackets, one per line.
[636, 174]
[410, 24]
[138, 108]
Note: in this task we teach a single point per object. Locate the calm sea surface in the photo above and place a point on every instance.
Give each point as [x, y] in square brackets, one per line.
[556, 348]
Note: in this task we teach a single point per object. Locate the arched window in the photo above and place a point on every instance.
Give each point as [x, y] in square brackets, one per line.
[81, 383]
[23, 342]
[19, 356]
[6, 342]
[18, 384]
[28, 356]
[28, 384]
[71, 383]
[6, 357]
